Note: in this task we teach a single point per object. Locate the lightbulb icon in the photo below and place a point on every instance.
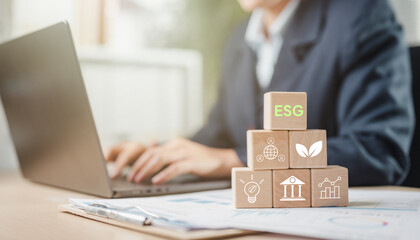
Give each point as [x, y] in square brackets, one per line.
[252, 189]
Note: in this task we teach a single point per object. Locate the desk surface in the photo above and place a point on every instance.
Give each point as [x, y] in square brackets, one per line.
[29, 211]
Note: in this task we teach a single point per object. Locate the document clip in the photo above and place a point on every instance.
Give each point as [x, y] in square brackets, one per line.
[120, 214]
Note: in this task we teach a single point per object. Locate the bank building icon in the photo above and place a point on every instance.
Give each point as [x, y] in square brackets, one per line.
[292, 189]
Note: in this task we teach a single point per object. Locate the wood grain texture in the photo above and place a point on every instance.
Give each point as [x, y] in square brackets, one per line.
[291, 188]
[267, 149]
[252, 188]
[279, 114]
[330, 187]
[304, 149]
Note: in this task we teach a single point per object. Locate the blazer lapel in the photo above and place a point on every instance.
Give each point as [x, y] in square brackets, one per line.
[300, 36]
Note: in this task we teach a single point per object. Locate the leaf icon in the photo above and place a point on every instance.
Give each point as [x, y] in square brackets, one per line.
[302, 150]
[315, 149]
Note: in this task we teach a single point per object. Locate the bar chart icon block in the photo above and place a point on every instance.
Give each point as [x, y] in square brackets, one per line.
[329, 186]
[267, 149]
[292, 188]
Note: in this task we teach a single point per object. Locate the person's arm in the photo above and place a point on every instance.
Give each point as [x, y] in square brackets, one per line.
[214, 132]
[375, 115]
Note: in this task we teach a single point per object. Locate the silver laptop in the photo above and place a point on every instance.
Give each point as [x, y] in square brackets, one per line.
[51, 123]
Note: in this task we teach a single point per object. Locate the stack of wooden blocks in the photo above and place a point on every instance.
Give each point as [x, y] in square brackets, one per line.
[287, 164]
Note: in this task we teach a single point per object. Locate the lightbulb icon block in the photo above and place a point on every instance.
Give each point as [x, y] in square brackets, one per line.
[291, 188]
[251, 188]
[330, 187]
[267, 149]
[308, 149]
[285, 111]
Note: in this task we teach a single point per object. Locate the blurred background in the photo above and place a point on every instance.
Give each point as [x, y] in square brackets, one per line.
[151, 68]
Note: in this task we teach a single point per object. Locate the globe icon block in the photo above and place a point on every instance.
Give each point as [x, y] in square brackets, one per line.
[270, 152]
[267, 149]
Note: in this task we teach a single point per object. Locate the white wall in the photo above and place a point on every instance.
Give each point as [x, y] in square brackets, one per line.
[5, 19]
[7, 154]
[408, 13]
[8, 159]
[29, 15]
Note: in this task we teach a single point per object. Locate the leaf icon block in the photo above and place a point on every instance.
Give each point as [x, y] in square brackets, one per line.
[315, 149]
[301, 150]
[308, 149]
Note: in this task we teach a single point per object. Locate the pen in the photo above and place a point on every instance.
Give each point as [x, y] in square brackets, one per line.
[119, 216]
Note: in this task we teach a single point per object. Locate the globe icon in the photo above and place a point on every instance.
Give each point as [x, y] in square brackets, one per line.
[270, 152]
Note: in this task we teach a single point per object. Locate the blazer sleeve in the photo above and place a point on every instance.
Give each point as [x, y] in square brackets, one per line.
[375, 113]
[214, 133]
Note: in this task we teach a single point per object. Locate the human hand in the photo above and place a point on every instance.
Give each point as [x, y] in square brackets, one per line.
[123, 154]
[183, 156]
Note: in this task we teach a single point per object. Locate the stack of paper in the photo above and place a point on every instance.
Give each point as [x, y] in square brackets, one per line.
[370, 215]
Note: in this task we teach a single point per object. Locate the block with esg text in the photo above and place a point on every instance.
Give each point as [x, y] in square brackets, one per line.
[267, 149]
[285, 111]
[292, 188]
[252, 188]
[308, 149]
[330, 187]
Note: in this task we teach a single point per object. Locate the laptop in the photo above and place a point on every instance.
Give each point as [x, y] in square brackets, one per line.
[51, 122]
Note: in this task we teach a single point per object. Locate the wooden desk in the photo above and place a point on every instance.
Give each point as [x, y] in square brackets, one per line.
[29, 211]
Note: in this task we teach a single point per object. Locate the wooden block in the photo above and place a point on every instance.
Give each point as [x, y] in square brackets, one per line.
[252, 188]
[330, 187]
[292, 188]
[308, 149]
[285, 111]
[268, 149]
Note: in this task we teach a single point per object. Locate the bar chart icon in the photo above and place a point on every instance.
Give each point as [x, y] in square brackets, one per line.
[327, 193]
[331, 191]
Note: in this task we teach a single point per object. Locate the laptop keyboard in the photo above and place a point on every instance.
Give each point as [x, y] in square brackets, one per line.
[125, 183]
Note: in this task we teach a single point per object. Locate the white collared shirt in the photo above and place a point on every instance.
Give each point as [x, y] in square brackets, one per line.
[267, 51]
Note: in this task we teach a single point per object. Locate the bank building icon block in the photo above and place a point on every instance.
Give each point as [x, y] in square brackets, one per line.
[285, 111]
[252, 188]
[267, 149]
[292, 188]
[308, 149]
[330, 186]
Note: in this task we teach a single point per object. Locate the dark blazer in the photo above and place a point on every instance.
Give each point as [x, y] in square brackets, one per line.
[351, 59]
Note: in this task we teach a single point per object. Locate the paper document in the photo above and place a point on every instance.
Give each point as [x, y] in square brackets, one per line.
[370, 215]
